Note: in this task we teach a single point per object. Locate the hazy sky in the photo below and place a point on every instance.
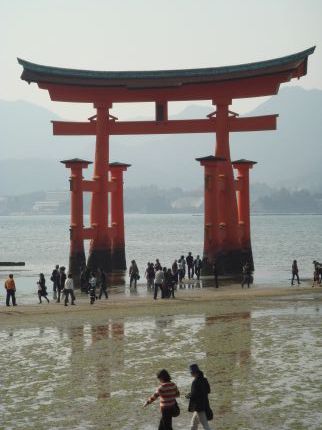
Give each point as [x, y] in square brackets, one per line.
[151, 34]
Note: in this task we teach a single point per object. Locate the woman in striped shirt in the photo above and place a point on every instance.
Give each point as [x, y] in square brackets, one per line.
[167, 392]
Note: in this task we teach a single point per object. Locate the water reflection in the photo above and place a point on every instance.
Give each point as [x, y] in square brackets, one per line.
[256, 359]
[228, 352]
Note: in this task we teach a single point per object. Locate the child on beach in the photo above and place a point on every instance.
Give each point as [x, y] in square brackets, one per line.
[92, 289]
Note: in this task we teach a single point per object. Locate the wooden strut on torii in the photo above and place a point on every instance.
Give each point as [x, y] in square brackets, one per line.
[227, 207]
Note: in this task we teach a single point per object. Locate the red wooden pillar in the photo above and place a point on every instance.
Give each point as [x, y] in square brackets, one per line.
[117, 214]
[243, 167]
[214, 236]
[225, 248]
[161, 110]
[77, 254]
[100, 246]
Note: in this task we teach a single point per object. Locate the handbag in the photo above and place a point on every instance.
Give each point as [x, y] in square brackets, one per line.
[209, 413]
[175, 410]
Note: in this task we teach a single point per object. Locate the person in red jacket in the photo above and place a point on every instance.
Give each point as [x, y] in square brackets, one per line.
[167, 392]
[10, 287]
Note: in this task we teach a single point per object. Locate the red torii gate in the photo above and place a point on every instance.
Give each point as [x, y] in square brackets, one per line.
[227, 218]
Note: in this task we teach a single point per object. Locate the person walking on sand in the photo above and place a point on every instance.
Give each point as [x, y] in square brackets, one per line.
[55, 279]
[295, 273]
[190, 261]
[181, 268]
[150, 275]
[92, 288]
[183, 261]
[198, 399]
[175, 270]
[10, 287]
[42, 289]
[157, 265]
[246, 275]
[158, 283]
[93, 281]
[170, 282]
[316, 273]
[134, 273]
[198, 265]
[69, 290]
[167, 393]
[61, 285]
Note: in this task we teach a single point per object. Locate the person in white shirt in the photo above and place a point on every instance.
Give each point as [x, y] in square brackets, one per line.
[182, 268]
[158, 282]
[69, 289]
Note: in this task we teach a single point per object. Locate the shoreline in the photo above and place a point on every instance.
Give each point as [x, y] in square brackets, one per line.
[186, 301]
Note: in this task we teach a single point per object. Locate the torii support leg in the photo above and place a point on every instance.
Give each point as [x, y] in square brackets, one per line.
[117, 213]
[243, 167]
[214, 233]
[223, 242]
[100, 246]
[229, 258]
[77, 253]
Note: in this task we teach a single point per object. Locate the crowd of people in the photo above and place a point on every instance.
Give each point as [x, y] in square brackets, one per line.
[158, 277]
[317, 273]
[63, 286]
[93, 284]
[164, 278]
[199, 406]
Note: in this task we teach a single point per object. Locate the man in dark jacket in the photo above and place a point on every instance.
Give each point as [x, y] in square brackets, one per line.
[61, 284]
[55, 278]
[190, 261]
[198, 399]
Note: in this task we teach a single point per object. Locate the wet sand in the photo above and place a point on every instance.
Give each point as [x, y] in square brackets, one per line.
[91, 367]
[140, 302]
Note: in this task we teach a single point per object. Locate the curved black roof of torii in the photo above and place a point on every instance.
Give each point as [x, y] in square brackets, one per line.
[162, 78]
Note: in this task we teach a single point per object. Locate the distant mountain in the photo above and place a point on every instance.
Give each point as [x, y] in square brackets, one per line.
[26, 132]
[290, 156]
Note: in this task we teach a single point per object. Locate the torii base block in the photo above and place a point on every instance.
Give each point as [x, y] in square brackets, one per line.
[77, 260]
[100, 258]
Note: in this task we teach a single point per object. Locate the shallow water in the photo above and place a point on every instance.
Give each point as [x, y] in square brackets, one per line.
[43, 241]
[263, 361]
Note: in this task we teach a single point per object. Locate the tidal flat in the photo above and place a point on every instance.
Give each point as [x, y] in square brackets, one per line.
[92, 368]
